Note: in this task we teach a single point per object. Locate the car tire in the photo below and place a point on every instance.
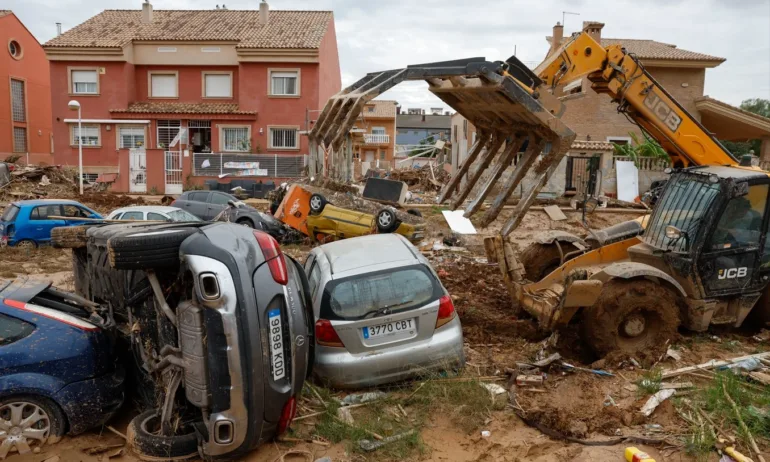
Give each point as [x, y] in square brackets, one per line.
[51, 419]
[631, 316]
[414, 212]
[317, 203]
[69, 237]
[141, 437]
[246, 222]
[153, 249]
[27, 244]
[386, 221]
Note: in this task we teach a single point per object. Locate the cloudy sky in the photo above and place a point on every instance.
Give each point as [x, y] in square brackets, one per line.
[393, 33]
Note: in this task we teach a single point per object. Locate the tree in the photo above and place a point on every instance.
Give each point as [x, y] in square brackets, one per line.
[757, 106]
[647, 148]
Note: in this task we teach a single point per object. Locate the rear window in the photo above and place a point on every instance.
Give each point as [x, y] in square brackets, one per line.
[181, 215]
[10, 213]
[369, 295]
[12, 329]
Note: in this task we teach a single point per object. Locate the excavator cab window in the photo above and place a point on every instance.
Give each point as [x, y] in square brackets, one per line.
[741, 222]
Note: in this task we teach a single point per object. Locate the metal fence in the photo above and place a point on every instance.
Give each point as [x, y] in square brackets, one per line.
[249, 165]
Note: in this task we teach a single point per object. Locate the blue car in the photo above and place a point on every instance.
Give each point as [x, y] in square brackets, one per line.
[27, 223]
[58, 371]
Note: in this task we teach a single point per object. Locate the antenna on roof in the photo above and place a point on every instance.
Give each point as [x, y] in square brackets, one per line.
[217, 6]
[564, 16]
[224, 7]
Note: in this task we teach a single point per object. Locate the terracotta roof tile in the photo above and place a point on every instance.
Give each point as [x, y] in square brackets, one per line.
[117, 28]
[182, 108]
[5, 13]
[651, 49]
[592, 146]
[382, 109]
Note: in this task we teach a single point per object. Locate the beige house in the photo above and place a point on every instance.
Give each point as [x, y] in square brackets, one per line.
[374, 136]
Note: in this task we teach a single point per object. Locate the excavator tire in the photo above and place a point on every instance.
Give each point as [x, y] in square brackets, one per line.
[631, 316]
[540, 260]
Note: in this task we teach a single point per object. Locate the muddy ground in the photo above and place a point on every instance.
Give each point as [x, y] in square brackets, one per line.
[577, 405]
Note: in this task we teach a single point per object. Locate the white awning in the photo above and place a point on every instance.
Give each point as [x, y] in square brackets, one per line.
[106, 121]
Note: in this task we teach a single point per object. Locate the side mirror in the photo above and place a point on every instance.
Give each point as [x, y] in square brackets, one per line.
[673, 233]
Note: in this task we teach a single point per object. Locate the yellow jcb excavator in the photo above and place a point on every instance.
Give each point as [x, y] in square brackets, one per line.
[700, 258]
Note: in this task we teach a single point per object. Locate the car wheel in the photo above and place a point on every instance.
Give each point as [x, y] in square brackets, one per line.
[414, 212]
[148, 249]
[27, 423]
[630, 317]
[144, 438]
[317, 203]
[69, 237]
[27, 244]
[246, 222]
[386, 221]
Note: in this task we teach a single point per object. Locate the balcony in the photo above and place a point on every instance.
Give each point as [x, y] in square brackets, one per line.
[376, 139]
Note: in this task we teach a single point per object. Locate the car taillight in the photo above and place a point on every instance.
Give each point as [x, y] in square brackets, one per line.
[51, 314]
[446, 311]
[287, 415]
[326, 335]
[274, 257]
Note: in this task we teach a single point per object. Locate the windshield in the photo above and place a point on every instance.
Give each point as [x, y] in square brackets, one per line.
[182, 215]
[368, 295]
[684, 203]
[10, 213]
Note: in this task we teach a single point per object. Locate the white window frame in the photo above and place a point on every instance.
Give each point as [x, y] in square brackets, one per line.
[379, 131]
[119, 141]
[297, 85]
[204, 89]
[97, 127]
[167, 132]
[234, 148]
[611, 139]
[272, 128]
[150, 75]
[70, 76]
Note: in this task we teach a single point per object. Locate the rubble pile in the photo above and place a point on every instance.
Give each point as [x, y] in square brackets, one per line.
[427, 177]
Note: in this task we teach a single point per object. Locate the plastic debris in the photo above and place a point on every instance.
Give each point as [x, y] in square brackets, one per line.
[655, 401]
[673, 354]
[344, 415]
[522, 380]
[359, 398]
[493, 389]
[547, 361]
[570, 367]
[486, 433]
[369, 446]
[608, 401]
[748, 365]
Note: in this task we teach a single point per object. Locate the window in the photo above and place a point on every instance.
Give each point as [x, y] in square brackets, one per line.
[74, 211]
[10, 213]
[198, 197]
[132, 216]
[236, 139]
[182, 215]
[163, 85]
[17, 101]
[284, 83]
[156, 216]
[19, 139]
[130, 137]
[90, 177]
[382, 154]
[741, 222]
[167, 131]
[90, 135]
[283, 138]
[221, 199]
[454, 133]
[85, 82]
[217, 85]
[14, 49]
[116, 216]
[358, 296]
[13, 330]
[42, 212]
[619, 140]
[378, 130]
[314, 280]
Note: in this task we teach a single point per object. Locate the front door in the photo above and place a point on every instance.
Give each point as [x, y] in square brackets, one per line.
[369, 156]
[173, 172]
[729, 263]
[137, 170]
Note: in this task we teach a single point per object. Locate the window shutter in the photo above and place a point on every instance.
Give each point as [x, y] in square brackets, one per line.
[218, 86]
[163, 86]
[84, 76]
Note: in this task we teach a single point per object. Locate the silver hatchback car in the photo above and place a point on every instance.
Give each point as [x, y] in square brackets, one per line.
[382, 314]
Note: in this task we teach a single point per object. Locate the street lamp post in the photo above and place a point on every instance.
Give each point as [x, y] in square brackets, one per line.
[75, 106]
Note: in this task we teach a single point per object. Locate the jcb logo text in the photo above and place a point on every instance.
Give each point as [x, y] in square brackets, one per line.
[733, 273]
[662, 111]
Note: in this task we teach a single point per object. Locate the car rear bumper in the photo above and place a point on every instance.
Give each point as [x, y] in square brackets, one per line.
[341, 369]
[91, 402]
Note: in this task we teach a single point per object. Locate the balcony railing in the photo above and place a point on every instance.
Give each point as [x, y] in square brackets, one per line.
[376, 139]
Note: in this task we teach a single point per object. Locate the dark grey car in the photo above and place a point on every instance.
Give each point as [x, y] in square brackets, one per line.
[215, 309]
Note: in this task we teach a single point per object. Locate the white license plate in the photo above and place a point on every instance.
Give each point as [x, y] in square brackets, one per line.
[389, 328]
[276, 344]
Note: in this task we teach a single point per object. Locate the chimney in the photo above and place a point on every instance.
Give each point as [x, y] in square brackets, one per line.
[557, 36]
[58, 29]
[264, 13]
[146, 12]
[423, 117]
[594, 29]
